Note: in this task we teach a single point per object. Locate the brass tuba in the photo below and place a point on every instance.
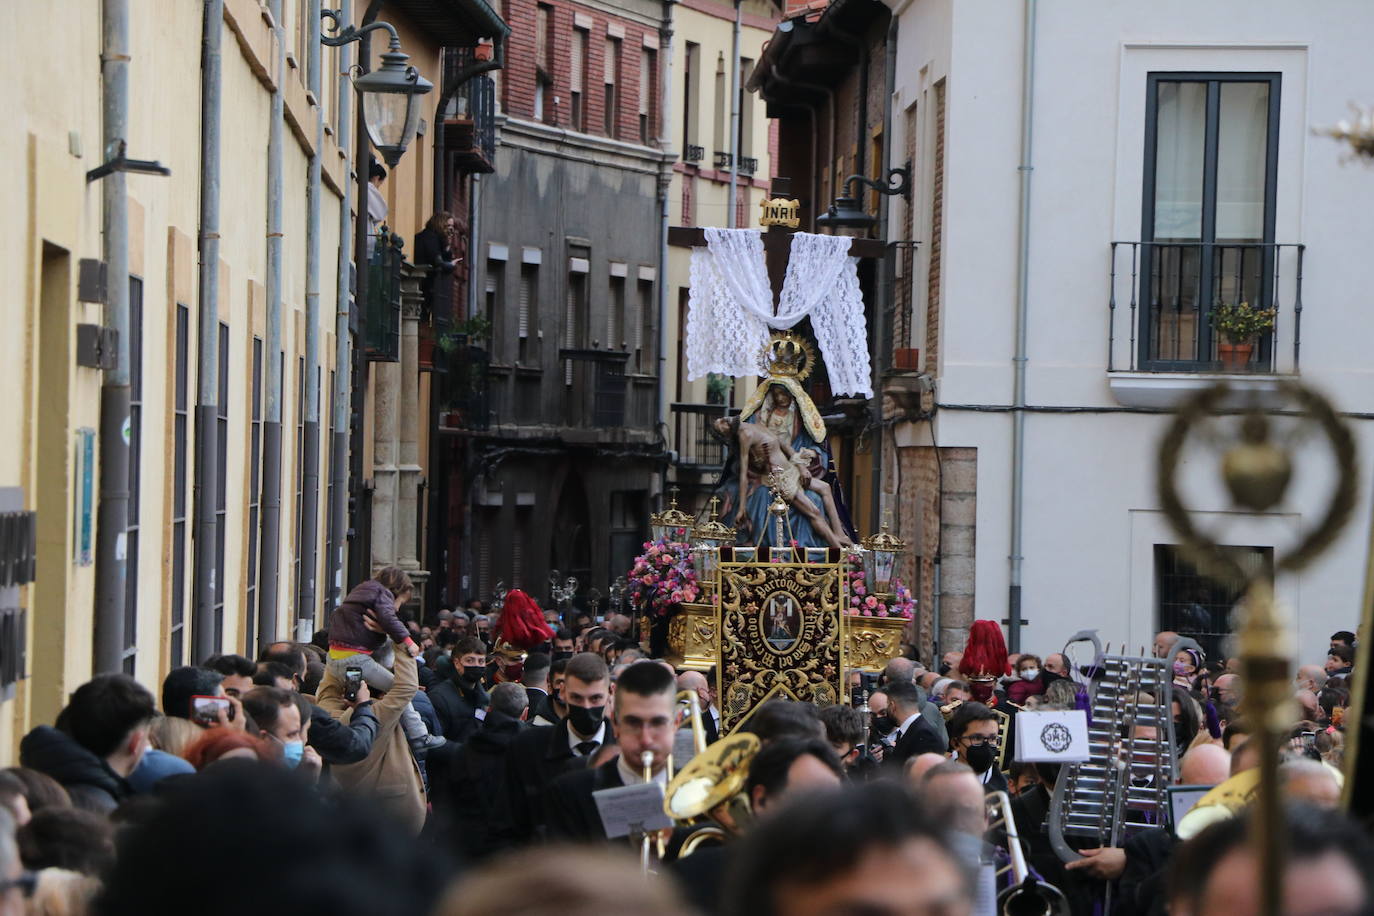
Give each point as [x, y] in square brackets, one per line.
[1026, 895]
[712, 785]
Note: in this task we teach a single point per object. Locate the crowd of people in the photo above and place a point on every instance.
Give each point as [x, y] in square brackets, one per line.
[450, 766]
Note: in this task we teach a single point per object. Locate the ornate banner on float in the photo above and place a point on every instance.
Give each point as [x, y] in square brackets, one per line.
[779, 635]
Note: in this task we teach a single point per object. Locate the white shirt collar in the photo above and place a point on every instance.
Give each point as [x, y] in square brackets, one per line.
[632, 777]
[574, 741]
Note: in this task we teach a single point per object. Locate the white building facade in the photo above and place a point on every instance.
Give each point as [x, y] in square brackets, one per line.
[1171, 166]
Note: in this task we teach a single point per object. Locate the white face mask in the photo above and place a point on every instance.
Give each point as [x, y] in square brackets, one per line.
[1029, 674]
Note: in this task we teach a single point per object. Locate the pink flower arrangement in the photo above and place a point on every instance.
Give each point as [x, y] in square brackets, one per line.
[862, 604]
[663, 578]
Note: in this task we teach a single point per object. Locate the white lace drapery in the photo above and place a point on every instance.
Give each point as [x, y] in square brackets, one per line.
[730, 306]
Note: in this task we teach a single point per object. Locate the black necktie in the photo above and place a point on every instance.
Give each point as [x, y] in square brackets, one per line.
[586, 747]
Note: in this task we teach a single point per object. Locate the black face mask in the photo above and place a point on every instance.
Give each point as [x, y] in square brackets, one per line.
[586, 719]
[981, 757]
[883, 724]
[473, 673]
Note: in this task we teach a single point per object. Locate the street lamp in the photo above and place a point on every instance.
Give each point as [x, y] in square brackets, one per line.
[390, 94]
[846, 212]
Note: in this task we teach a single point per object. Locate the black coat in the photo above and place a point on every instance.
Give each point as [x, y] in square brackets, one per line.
[89, 781]
[534, 759]
[571, 810]
[339, 742]
[920, 738]
[457, 705]
[466, 790]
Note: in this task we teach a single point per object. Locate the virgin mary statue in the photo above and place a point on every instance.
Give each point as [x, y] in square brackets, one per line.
[782, 407]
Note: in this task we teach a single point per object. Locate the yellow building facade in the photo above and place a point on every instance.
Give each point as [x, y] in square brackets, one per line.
[50, 415]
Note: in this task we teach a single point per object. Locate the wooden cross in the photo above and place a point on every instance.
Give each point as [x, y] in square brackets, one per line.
[777, 243]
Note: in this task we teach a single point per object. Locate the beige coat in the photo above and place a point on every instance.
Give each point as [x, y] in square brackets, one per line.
[389, 774]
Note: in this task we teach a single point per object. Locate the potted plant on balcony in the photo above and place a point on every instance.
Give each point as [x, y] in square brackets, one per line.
[1238, 325]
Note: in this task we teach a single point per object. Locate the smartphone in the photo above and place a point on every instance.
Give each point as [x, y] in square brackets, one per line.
[353, 680]
[205, 710]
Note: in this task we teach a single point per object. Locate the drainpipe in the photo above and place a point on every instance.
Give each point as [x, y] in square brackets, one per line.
[665, 109]
[113, 518]
[338, 463]
[1018, 400]
[269, 559]
[310, 448]
[734, 120]
[205, 496]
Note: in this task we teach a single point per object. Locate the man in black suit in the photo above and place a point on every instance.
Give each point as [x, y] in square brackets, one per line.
[535, 678]
[457, 700]
[643, 716]
[913, 734]
[696, 682]
[540, 754]
[466, 788]
[973, 736]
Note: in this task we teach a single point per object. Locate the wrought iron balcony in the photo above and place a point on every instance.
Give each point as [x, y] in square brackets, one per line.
[382, 308]
[692, 153]
[722, 160]
[697, 448]
[594, 387]
[1161, 296]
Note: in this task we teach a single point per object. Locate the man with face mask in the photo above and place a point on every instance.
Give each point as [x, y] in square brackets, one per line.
[457, 700]
[913, 734]
[539, 755]
[974, 740]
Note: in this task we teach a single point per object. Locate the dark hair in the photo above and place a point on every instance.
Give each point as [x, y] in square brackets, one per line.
[395, 580]
[537, 666]
[904, 693]
[469, 645]
[103, 711]
[775, 719]
[40, 789]
[1344, 653]
[263, 705]
[1344, 636]
[229, 664]
[855, 820]
[183, 683]
[67, 838]
[270, 672]
[1310, 833]
[843, 724]
[315, 854]
[587, 667]
[966, 715]
[509, 699]
[770, 765]
[289, 654]
[646, 678]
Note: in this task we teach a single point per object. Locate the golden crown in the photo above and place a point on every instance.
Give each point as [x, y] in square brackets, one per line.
[789, 355]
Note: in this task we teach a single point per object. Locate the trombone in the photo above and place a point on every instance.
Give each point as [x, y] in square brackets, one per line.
[1026, 894]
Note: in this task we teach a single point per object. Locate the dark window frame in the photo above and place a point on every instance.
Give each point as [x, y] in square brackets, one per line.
[1207, 277]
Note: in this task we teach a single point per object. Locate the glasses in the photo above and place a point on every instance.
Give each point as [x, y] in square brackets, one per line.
[981, 741]
[25, 884]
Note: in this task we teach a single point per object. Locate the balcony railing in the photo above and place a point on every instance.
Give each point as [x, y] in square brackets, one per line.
[594, 389]
[1161, 295]
[382, 309]
[697, 448]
